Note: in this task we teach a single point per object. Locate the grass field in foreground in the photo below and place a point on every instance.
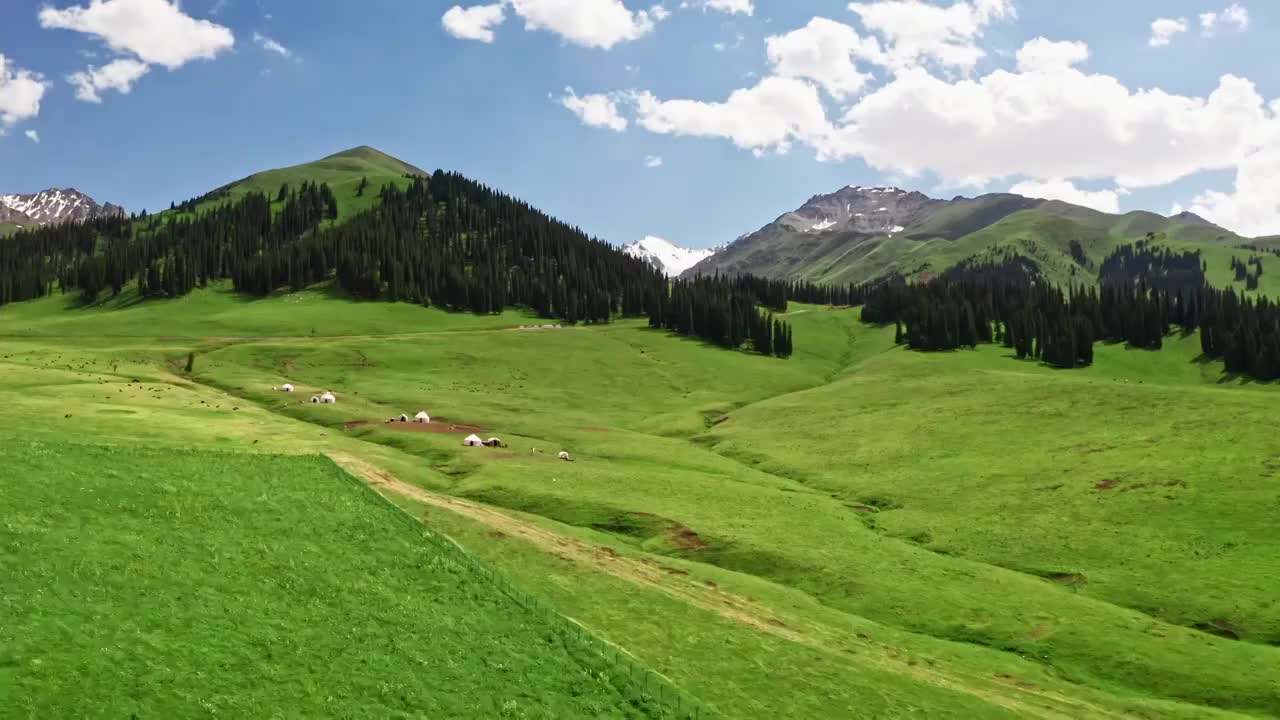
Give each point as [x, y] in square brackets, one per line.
[865, 503]
[179, 584]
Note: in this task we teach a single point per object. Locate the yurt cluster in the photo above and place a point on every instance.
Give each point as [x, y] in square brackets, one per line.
[473, 440]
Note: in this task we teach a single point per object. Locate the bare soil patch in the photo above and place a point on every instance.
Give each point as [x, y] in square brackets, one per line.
[1106, 484]
[686, 539]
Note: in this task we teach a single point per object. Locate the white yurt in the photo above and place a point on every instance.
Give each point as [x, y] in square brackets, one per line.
[473, 441]
[494, 442]
[327, 398]
[286, 388]
[422, 417]
[315, 398]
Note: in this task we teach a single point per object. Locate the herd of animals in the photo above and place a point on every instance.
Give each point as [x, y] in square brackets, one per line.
[473, 440]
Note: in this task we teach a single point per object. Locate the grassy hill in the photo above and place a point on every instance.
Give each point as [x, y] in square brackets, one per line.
[945, 233]
[342, 171]
[173, 583]
[857, 531]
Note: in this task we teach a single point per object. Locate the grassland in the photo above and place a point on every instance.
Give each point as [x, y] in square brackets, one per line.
[857, 531]
[168, 584]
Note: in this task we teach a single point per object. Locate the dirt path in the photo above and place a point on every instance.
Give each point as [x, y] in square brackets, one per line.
[1018, 696]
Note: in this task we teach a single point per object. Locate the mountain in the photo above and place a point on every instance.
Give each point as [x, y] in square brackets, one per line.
[857, 234]
[52, 206]
[667, 257]
[343, 172]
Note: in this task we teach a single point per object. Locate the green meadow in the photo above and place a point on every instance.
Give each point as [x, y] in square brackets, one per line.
[858, 531]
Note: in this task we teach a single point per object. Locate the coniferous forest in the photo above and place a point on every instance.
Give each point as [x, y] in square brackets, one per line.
[442, 241]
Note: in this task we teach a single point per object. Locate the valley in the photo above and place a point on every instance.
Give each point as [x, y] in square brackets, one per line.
[857, 530]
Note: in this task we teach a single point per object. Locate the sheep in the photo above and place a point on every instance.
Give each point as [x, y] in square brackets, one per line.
[565, 456]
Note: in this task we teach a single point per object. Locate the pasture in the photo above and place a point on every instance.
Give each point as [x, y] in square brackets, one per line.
[857, 531]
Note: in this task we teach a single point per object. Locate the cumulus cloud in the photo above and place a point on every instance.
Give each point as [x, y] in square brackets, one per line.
[1107, 201]
[33, 136]
[916, 32]
[474, 23]
[118, 75]
[589, 23]
[824, 51]
[1044, 55]
[1235, 17]
[1164, 30]
[156, 31]
[731, 7]
[20, 93]
[594, 110]
[773, 115]
[652, 161]
[271, 45]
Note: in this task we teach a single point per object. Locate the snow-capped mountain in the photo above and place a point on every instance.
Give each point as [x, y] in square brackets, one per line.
[53, 206]
[670, 259]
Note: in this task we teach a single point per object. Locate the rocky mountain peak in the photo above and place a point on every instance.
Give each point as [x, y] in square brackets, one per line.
[854, 208]
[52, 206]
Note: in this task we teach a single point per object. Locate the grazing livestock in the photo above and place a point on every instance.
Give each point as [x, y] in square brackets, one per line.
[565, 456]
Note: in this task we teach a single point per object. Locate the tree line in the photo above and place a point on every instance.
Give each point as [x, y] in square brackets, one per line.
[443, 241]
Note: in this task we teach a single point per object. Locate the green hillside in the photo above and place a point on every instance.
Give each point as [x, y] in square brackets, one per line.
[990, 225]
[857, 531]
[341, 171]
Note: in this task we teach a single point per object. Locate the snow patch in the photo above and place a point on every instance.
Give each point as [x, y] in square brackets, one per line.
[824, 225]
[671, 259]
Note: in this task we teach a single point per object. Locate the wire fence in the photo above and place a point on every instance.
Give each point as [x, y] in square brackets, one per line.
[647, 688]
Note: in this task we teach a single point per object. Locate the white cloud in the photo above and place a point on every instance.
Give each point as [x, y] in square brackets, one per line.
[20, 93]
[156, 31]
[271, 45]
[652, 161]
[118, 75]
[594, 110]
[1253, 205]
[824, 51]
[770, 116]
[1107, 201]
[473, 23]
[589, 23]
[730, 6]
[1044, 55]
[1236, 16]
[659, 13]
[1048, 120]
[33, 136]
[1163, 30]
[916, 32]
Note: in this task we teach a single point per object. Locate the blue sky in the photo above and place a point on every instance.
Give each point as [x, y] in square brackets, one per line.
[927, 95]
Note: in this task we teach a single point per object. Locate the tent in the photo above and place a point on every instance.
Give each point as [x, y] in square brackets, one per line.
[422, 417]
[565, 456]
[494, 442]
[327, 398]
[473, 441]
[286, 388]
[403, 418]
[315, 398]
